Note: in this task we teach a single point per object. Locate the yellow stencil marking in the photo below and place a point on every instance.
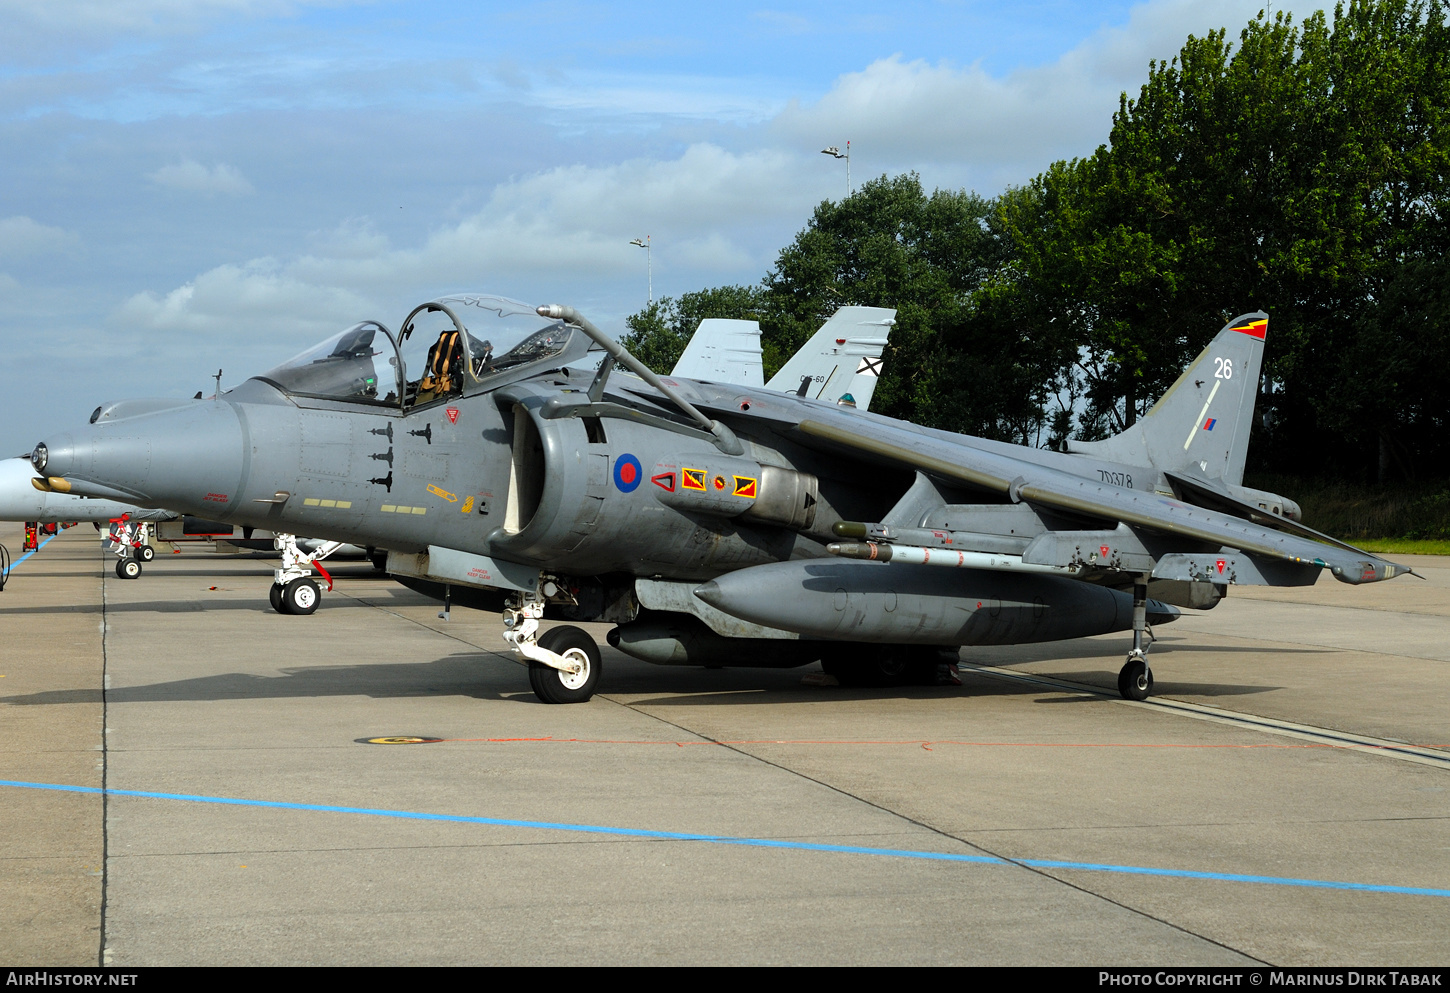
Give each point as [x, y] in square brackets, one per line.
[444, 494]
[467, 507]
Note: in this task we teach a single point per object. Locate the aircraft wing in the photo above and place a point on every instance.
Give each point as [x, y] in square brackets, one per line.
[1041, 486]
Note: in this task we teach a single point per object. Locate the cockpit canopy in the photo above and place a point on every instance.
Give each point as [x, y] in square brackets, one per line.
[368, 363]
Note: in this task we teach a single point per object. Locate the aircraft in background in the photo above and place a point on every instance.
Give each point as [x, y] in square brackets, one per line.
[715, 524]
[26, 497]
[839, 364]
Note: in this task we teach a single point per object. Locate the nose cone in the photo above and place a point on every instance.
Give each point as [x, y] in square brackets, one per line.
[19, 499]
[709, 592]
[190, 458]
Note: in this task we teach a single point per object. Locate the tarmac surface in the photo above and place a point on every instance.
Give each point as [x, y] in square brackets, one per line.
[1282, 799]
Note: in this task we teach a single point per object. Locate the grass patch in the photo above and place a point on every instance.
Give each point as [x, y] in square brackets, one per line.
[1405, 546]
[1409, 513]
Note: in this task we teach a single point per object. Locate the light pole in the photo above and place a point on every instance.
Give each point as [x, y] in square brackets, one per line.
[648, 266]
[836, 153]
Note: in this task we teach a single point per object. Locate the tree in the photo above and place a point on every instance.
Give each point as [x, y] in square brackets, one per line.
[1300, 174]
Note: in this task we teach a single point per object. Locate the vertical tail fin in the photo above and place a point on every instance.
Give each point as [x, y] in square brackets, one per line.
[1203, 420]
[723, 351]
[843, 357]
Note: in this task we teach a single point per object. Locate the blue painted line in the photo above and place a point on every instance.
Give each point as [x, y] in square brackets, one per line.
[716, 839]
[27, 555]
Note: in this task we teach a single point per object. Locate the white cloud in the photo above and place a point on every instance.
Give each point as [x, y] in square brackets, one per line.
[715, 215]
[20, 237]
[1005, 129]
[258, 299]
[193, 177]
[136, 16]
[567, 226]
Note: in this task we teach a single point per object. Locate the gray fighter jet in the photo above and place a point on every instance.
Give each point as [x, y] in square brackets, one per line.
[713, 524]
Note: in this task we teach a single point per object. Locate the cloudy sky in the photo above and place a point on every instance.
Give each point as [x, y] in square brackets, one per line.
[194, 184]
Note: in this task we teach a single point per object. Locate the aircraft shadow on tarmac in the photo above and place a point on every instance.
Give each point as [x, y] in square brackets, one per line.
[477, 675]
[463, 674]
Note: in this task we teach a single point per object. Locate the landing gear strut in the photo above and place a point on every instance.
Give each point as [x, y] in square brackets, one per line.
[564, 662]
[293, 592]
[1135, 679]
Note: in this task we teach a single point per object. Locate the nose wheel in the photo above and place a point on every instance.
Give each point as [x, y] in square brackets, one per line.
[563, 662]
[553, 685]
[299, 597]
[128, 569]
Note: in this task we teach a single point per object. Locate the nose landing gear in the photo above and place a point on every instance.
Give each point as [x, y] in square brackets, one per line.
[564, 662]
[131, 542]
[293, 592]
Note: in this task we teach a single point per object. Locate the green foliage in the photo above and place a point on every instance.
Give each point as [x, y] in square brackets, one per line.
[1304, 175]
[1359, 512]
[1301, 171]
[890, 244]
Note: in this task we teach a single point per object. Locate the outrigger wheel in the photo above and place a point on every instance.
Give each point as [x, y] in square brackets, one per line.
[1135, 679]
[556, 686]
[128, 568]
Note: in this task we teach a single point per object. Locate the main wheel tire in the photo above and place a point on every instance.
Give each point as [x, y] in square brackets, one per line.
[128, 568]
[379, 558]
[275, 596]
[301, 597]
[554, 686]
[1135, 680]
[145, 553]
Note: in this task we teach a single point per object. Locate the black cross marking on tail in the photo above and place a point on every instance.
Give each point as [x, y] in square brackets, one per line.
[869, 366]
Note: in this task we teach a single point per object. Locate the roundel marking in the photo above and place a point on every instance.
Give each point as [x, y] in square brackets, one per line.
[627, 473]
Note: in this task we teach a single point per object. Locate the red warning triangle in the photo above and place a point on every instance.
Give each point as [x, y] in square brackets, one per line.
[665, 481]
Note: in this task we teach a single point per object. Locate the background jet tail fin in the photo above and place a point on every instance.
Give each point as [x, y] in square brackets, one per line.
[1202, 423]
[843, 357]
[723, 351]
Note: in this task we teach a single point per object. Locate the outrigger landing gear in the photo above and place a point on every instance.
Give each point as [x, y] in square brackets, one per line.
[564, 662]
[1135, 679]
[292, 591]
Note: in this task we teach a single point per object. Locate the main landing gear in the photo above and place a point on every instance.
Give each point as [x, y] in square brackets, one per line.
[564, 662]
[293, 592]
[1135, 679]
